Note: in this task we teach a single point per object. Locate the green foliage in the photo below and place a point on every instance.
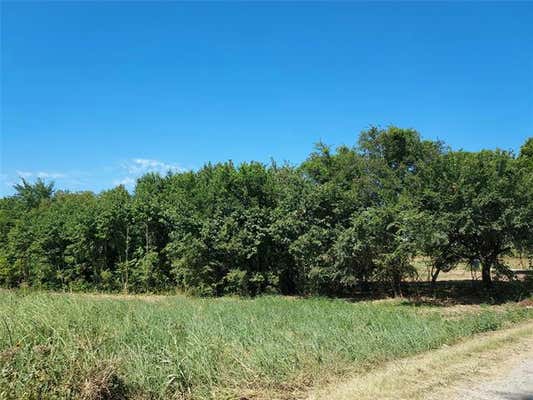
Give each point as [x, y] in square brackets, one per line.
[341, 221]
[31, 195]
[475, 208]
[526, 151]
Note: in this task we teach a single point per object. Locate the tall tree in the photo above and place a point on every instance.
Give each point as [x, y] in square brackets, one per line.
[32, 194]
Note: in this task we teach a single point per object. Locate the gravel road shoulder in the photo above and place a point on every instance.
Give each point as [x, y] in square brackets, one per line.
[492, 366]
[512, 379]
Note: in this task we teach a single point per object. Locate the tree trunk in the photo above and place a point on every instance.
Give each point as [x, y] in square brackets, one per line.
[485, 274]
[364, 285]
[146, 237]
[434, 276]
[127, 258]
[397, 283]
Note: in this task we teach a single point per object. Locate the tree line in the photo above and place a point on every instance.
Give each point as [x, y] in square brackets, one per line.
[340, 221]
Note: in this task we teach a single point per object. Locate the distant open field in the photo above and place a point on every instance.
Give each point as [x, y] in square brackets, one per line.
[55, 346]
[464, 272]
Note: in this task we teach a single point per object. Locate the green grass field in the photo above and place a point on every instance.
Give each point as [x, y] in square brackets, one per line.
[57, 346]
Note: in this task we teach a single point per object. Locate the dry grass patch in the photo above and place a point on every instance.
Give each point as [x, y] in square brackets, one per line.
[427, 376]
[103, 382]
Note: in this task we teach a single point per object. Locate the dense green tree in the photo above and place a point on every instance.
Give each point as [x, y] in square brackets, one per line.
[31, 195]
[115, 233]
[524, 196]
[526, 151]
[345, 219]
[472, 207]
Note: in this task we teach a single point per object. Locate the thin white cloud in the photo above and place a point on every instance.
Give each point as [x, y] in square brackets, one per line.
[5, 180]
[25, 174]
[51, 175]
[127, 181]
[6, 186]
[41, 174]
[139, 166]
[136, 167]
[125, 173]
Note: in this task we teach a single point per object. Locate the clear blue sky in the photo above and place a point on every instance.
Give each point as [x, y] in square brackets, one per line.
[97, 93]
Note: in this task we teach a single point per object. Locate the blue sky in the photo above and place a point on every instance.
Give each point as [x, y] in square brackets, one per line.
[97, 93]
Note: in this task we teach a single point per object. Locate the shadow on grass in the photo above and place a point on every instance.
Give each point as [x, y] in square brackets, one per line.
[446, 293]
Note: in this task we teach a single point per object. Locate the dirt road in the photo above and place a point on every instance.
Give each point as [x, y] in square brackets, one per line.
[493, 366]
[513, 380]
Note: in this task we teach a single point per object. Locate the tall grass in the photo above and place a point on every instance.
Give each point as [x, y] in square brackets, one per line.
[55, 346]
